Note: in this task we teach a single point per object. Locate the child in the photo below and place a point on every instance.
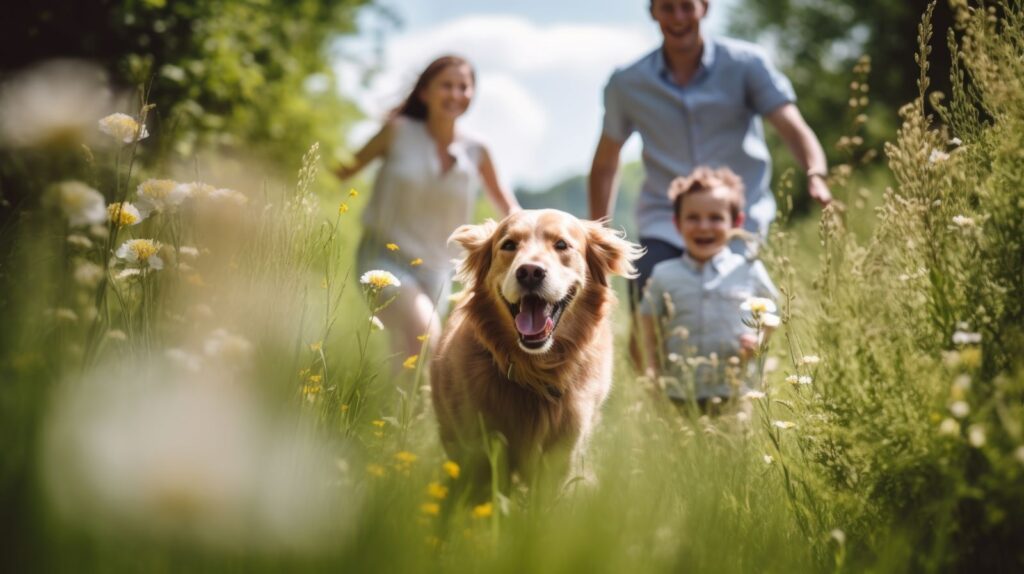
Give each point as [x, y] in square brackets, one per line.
[696, 298]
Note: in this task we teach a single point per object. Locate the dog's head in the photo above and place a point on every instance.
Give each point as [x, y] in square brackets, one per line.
[538, 265]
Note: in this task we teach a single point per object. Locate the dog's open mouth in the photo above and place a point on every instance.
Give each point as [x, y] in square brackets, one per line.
[537, 318]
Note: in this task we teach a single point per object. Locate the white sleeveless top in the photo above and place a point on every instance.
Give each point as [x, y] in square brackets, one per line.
[414, 204]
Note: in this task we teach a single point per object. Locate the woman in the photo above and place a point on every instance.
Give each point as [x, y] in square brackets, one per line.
[425, 188]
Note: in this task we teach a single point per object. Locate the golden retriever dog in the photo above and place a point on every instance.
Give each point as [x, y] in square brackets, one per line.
[527, 352]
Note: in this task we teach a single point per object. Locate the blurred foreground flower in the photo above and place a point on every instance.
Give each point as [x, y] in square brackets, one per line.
[54, 102]
[758, 305]
[81, 204]
[123, 128]
[159, 195]
[134, 451]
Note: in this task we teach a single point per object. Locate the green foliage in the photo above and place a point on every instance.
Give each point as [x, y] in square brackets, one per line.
[221, 72]
[918, 421]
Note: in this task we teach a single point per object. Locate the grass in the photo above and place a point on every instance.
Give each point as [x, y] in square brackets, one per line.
[235, 409]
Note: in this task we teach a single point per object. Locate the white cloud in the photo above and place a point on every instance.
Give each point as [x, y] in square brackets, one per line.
[538, 102]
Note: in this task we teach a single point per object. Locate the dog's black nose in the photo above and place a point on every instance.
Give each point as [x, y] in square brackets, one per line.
[530, 276]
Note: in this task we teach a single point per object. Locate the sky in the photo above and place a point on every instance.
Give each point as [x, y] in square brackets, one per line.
[541, 68]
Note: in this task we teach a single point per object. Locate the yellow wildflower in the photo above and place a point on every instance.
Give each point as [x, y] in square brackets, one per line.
[758, 305]
[123, 128]
[353, 193]
[416, 262]
[484, 510]
[392, 247]
[410, 363]
[343, 408]
[405, 457]
[430, 508]
[451, 468]
[376, 470]
[422, 337]
[141, 251]
[342, 208]
[316, 378]
[378, 423]
[437, 490]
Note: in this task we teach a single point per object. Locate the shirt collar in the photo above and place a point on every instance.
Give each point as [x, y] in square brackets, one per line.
[717, 262]
[707, 58]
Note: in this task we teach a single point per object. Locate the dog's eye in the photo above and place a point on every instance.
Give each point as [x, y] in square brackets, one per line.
[509, 245]
[561, 245]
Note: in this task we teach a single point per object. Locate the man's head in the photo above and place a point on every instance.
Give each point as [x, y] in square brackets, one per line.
[679, 21]
[706, 206]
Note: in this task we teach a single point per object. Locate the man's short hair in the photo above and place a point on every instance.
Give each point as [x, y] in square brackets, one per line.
[706, 179]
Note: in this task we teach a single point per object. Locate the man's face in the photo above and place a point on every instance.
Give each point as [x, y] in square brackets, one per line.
[679, 21]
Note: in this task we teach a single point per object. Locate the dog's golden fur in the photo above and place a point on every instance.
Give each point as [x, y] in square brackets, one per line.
[545, 401]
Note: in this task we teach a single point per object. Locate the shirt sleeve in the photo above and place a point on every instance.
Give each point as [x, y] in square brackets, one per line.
[653, 302]
[767, 87]
[763, 283]
[616, 121]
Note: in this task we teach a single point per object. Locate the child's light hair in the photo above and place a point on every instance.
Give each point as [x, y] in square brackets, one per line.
[705, 179]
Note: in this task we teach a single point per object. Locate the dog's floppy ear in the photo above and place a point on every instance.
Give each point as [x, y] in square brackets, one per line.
[609, 253]
[475, 240]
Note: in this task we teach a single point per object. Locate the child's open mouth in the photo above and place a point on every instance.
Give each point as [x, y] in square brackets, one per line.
[704, 241]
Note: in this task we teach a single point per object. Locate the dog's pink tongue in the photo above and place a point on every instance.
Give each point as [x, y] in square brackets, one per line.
[531, 319]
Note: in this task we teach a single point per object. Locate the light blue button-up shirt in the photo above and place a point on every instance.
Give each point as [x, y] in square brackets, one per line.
[714, 120]
[698, 306]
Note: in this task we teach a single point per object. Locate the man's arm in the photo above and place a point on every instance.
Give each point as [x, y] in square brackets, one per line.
[602, 184]
[805, 147]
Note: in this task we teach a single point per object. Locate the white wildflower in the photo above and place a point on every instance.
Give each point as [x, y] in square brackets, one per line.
[838, 535]
[123, 214]
[955, 142]
[809, 360]
[129, 273]
[160, 195]
[229, 197]
[784, 424]
[55, 102]
[222, 344]
[966, 338]
[181, 456]
[141, 251]
[81, 204]
[963, 222]
[123, 128]
[793, 379]
[80, 241]
[87, 274]
[937, 156]
[754, 395]
[758, 305]
[376, 323]
[949, 427]
[976, 436]
[194, 190]
[188, 251]
[379, 279]
[771, 320]
[960, 409]
[768, 459]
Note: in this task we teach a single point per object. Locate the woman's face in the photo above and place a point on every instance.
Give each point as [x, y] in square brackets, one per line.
[449, 93]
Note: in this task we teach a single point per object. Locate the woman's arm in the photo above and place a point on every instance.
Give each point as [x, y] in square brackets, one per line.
[376, 147]
[499, 194]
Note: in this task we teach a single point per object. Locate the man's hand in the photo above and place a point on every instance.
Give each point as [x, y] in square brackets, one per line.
[817, 188]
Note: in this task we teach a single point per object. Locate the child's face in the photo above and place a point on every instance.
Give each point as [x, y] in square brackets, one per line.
[704, 221]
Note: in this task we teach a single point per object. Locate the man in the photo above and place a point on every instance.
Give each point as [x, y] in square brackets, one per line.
[698, 101]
